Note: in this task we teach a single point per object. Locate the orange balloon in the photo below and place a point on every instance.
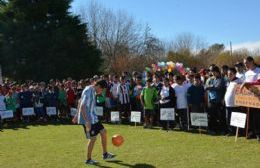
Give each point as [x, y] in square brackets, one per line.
[117, 140]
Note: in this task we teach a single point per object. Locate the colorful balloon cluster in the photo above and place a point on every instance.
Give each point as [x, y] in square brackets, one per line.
[167, 67]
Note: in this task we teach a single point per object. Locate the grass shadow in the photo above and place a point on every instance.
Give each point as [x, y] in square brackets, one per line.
[138, 165]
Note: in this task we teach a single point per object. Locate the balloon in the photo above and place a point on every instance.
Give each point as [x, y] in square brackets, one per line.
[148, 69]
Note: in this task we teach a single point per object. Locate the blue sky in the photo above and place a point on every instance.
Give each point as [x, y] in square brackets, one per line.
[216, 21]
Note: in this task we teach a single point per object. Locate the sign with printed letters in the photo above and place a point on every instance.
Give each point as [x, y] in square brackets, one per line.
[7, 114]
[99, 111]
[136, 116]
[115, 116]
[238, 119]
[28, 111]
[199, 119]
[51, 111]
[167, 114]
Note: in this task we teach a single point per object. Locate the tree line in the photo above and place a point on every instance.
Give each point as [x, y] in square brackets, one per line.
[40, 40]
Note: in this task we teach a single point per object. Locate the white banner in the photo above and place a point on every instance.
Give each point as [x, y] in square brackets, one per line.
[28, 111]
[7, 114]
[199, 119]
[115, 116]
[167, 114]
[99, 111]
[238, 119]
[136, 116]
[73, 112]
[51, 111]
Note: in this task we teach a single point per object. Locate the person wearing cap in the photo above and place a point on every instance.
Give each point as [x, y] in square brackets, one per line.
[240, 71]
[148, 97]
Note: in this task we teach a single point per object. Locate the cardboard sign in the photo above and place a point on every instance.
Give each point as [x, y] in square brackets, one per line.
[99, 111]
[136, 116]
[73, 112]
[51, 111]
[28, 111]
[115, 116]
[167, 114]
[7, 114]
[238, 119]
[248, 96]
[199, 119]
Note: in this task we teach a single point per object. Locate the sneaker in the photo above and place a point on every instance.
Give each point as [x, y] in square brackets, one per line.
[107, 156]
[91, 162]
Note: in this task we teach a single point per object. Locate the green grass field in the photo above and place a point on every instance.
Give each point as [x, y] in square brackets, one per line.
[63, 146]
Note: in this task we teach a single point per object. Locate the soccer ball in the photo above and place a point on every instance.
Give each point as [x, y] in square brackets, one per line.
[117, 140]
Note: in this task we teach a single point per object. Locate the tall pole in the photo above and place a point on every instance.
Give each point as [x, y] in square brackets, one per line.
[230, 48]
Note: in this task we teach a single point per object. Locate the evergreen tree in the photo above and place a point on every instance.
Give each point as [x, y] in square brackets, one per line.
[40, 39]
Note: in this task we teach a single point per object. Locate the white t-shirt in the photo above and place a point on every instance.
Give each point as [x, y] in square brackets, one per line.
[181, 94]
[165, 92]
[252, 75]
[230, 93]
[2, 103]
[240, 76]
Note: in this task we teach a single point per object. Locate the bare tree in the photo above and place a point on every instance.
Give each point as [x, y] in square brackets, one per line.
[117, 34]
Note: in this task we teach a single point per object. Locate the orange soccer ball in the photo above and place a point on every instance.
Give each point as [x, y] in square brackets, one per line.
[117, 140]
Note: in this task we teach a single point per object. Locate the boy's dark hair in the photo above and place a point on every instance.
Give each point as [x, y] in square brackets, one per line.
[197, 76]
[224, 67]
[215, 69]
[250, 59]
[101, 83]
[122, 77]
[233, 70]
[178, 77]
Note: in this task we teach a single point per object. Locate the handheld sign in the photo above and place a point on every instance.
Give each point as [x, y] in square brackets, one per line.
[99, 111]
[167, 114]
[73, 112]
[199, 119]
[115, 116]
[238, 120]
[51, 111]
[7, 114]
[136, 116]
[28, 111]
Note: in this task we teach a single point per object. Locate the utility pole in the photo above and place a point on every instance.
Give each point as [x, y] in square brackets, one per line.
[230, 48]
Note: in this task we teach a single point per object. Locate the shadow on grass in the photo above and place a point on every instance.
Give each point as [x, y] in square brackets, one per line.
[25, 125]
[138, 165]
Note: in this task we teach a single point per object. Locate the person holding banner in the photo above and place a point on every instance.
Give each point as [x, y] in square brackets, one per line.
[88, 118]
[252, 75]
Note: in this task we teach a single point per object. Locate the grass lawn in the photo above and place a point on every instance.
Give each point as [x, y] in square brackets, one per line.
[64, 146]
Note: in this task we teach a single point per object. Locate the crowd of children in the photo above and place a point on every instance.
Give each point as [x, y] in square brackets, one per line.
[208, 90]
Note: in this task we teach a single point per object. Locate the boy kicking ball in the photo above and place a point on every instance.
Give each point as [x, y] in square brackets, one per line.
[88, 118]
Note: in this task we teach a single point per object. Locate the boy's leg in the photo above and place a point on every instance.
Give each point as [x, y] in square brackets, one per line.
[103, 136]
[90, 147]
